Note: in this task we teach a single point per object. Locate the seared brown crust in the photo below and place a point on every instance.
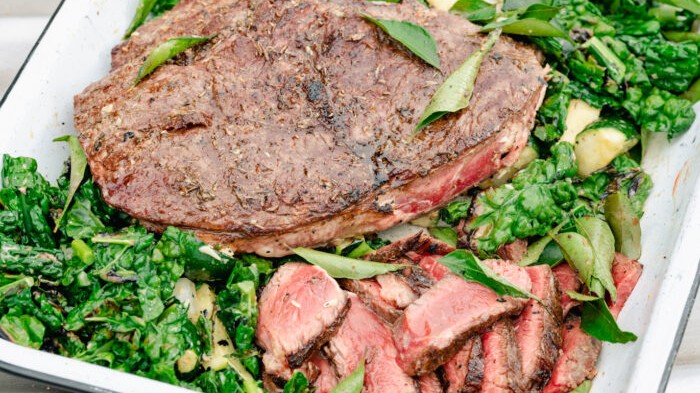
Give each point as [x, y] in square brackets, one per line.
[296, 359]
[475, 376]
[291, 127]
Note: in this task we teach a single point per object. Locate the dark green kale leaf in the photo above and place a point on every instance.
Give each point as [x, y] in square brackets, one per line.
[659, 111]
[539, 196]
[161, 6]
[672, 66]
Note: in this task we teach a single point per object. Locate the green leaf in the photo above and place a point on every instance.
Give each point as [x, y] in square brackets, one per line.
[680, 36]
[693, 93]
[528, 27]
[690, 5]
[584, 387]
[578, 252]
[445, 234]
[455, 211]
[343, 267]
[414, 37]
[602, 242]
[78, 164]
[597, 321]
[456, 91]
[469, 267]
[354, 382]
[23, 330]
[474, 10]
[581, 297]
[142, 11]
[534, 251]
[624, 224]
[167, 51]
[297, 384]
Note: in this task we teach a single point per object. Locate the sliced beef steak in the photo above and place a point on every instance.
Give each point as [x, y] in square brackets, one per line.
[326, 379]
[364, 334]
[387, 295]
[465, 371]
[577, 361]
[568, 280]
[513, 252]
[299, 310]
[538, 329]
[429, 383]
[502, 364]
[291, 127]
[436, 326]
[626, 273]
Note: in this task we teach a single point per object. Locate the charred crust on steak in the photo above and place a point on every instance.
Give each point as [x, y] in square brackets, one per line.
[296, 359]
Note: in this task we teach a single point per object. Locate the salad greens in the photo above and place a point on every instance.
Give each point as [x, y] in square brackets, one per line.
[102, 289]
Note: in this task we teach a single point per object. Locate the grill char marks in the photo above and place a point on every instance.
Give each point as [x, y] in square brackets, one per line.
[299, 310]
[465, 371]
[290, 128]
[538, 329]
[577, 362]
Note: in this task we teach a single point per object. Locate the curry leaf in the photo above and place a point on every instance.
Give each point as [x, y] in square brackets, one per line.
[78, 164]
[445, 234]
[602, 242]
[456, 91]
[469, 267]
[578, 252]
[343, 267]
[597, 321]
[527, 26]
[167, 51]
[412, 36]
[624, 224]
[690, 5]
[142, 11]
[474, 10]
[581, 297]
[354, 382]
[584, 387]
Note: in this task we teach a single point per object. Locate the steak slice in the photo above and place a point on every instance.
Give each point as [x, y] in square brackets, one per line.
[364, 334]
[502, 368]
[465, 371]
[538, 329]
[429, 383]
[326, 379]
[625, 273]
[436, 326]
[291, 127]
[387, 294]
[514, 251]
[299, 310]
[577, 361]
[568, 280]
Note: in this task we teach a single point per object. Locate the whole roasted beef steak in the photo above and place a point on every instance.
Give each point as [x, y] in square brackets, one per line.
[292, 126]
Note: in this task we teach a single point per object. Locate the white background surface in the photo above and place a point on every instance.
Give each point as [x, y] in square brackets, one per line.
[21, 22]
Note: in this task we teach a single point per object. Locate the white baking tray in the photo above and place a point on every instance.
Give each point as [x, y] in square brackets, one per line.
[74, 51]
